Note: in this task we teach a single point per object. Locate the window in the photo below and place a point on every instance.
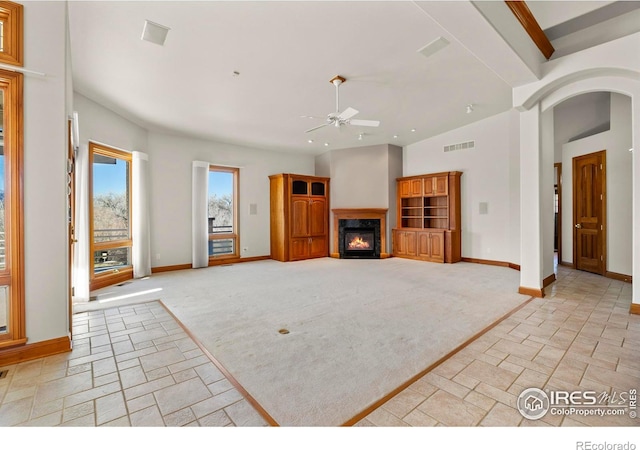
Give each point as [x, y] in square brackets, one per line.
[11, 33]
[110, 215]
[223, 212]
[12, 319]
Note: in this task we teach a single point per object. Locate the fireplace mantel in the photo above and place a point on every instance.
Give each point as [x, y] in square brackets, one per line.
[360, 213]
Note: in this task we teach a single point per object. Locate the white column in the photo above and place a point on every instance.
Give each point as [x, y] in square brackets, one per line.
[530, 217]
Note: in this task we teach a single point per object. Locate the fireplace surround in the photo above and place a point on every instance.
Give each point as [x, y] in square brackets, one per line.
[359, 226]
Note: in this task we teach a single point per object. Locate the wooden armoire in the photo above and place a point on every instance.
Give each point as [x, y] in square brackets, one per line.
[428, 221]
[299, 217]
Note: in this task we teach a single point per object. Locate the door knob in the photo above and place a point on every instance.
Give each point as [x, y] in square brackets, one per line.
[578, 225]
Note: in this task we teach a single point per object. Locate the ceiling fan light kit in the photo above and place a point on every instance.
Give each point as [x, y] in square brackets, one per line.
[338, 118]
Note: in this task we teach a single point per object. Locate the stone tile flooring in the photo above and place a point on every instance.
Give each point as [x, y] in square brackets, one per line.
[130, 366]
[136, 366]
[580, 337]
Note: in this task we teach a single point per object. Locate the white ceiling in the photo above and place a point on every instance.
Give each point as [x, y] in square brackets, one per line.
[286, 53]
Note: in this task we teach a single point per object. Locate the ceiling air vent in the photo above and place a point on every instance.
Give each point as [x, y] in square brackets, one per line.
[463, 146]
[154, 32]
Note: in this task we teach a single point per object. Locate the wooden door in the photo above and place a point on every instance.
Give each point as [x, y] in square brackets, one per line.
[416, 188]
[405, 188]
[423, 244]
[589, 181]
[428, 187]
[317, 217]
[299, 217]
[71, 216]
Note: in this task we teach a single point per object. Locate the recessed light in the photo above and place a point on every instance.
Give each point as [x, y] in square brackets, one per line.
[413, 130]
[360, 136]
[154, 32]
[310, 141]
[326, 144]
[469, 108]
[395, 136]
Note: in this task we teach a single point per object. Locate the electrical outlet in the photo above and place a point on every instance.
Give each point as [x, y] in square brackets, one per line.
[245, 249]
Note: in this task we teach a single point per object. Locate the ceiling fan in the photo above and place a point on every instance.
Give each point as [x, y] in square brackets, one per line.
[338, 118]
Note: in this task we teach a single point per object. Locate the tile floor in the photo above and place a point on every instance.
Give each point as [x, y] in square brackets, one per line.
[579, 337]
[136, 366]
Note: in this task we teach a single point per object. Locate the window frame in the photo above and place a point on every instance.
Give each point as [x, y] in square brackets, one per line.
[117, 275]
[235, 236]
[11, 14]
[13, 274]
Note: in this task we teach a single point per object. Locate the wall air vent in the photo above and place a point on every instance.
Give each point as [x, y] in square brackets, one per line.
[463, 146]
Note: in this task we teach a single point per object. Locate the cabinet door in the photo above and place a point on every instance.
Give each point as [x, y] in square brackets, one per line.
[299, 217]
[317, 246]
[405, 243]
[298, 248]
[436, 246]
[405, 188]
[416, 188]
[441, 185]
[317, 217]
[424, 244]
[410, 188]
[436, 185]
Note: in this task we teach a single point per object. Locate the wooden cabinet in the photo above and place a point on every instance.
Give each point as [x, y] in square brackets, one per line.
[428, 224]
[299, 217]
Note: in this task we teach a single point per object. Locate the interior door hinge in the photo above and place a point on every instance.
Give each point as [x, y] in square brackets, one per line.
[600, 166]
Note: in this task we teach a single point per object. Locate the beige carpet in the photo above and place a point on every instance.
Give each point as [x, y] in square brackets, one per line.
[357, 328]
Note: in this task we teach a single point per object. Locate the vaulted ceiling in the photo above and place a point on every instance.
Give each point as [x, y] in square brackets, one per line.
[246, 72]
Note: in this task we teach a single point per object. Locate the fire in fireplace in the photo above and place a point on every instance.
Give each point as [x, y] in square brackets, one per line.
[359, 240]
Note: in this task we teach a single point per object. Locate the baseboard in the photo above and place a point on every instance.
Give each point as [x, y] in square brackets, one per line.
[212, 262]
[619, 276]
[491, 262]
[34, 351]
[534, 292]
[225, 261]
[170, 268]
[635, 308]
[566, 264]
[547, 281]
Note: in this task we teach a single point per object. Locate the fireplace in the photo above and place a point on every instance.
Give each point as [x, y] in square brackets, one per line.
[359, 233]
[359, 238]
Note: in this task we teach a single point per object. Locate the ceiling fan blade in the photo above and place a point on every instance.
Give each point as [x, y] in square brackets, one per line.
[348, 113]
[319, 126]
[313, 117]
[365, 123]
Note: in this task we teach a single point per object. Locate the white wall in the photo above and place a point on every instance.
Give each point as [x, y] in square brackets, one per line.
[99, 124]
[617, 143]
[170, 159]
[580, 114]
[490, 174]
[45, 156]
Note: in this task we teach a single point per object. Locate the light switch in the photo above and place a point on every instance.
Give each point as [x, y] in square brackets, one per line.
[484, 208]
